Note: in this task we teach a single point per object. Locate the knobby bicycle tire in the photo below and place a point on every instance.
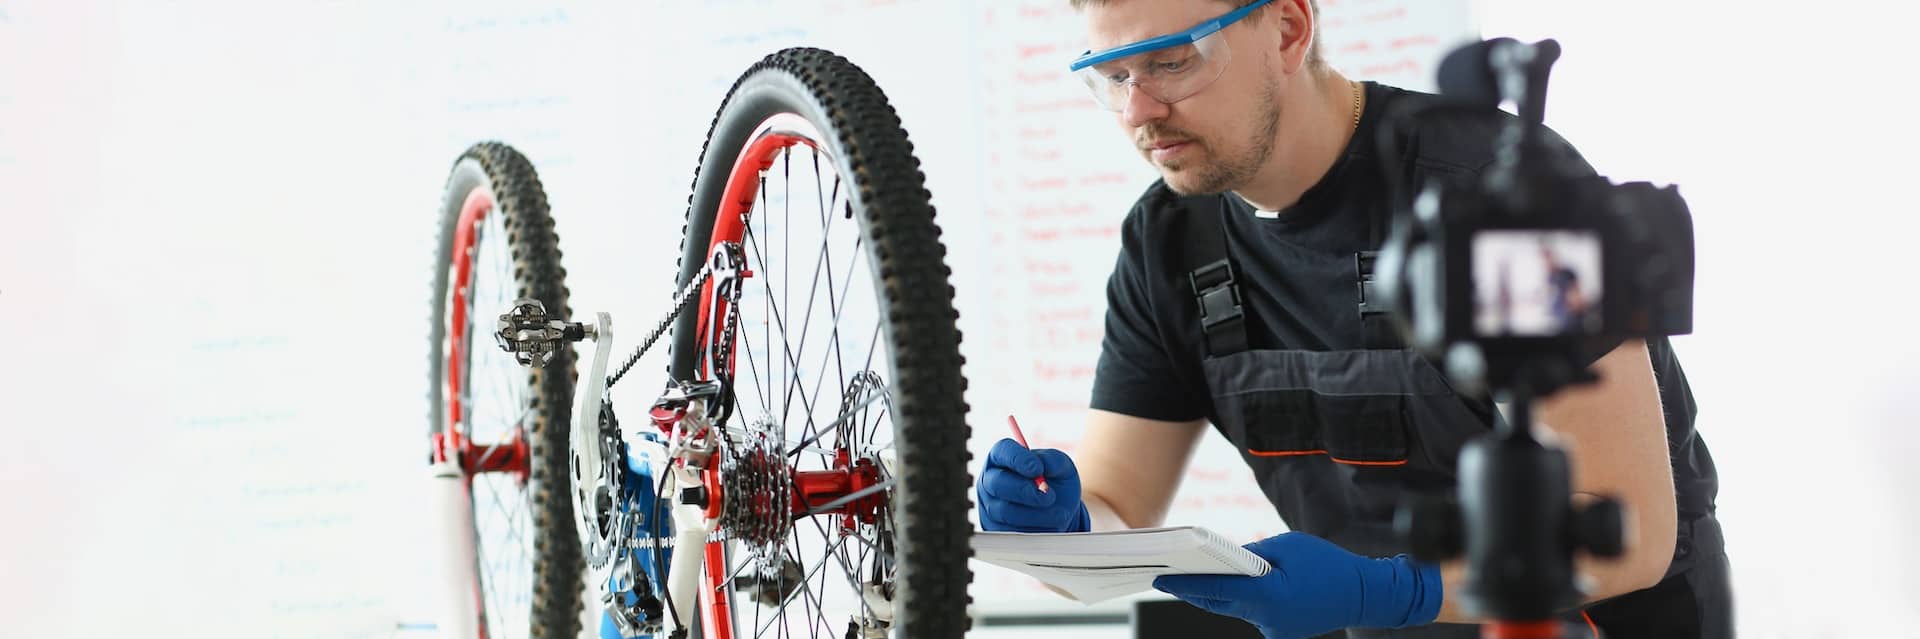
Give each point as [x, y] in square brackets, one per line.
[521, 203]
[889, 199]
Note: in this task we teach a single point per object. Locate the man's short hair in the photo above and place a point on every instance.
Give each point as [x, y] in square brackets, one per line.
[1314, 59]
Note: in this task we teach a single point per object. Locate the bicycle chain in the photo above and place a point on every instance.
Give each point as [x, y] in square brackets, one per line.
[681, 300]
[621, 531]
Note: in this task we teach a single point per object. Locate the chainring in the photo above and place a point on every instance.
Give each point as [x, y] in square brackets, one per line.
[609, 530]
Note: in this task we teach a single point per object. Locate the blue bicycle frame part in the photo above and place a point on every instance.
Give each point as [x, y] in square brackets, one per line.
[651, 517]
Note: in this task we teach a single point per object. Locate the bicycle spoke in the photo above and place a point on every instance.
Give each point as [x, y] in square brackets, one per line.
[852, 580]
[836, 422]
[804, 577]
[826, 210]
[815, 598]
[753, 367]
[811, 425]
[511, 557]
[861, 561]
[499, 377]
[488, 592]
[790, 358]
[826, 256]
[813, 290]
[791, 390]
[735, 430]
[834, 306]
[864, 543]
[505, 390]
[872, 346]
[763, 386]
[525, 556]
[790, 355]
[494, 494]
[839, 311]
[765, 275]
[786, 299]
[814, 601]
[766, 327]
[503, 432]
[492, 249]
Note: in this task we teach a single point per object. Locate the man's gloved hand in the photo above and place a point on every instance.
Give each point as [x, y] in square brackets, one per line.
[1010, 502]
[1316, 587]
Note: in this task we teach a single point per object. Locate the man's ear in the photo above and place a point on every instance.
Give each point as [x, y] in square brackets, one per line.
[1297, 24]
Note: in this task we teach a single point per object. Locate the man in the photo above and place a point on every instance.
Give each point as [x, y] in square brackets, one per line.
[1568, 304]
[1267, 158]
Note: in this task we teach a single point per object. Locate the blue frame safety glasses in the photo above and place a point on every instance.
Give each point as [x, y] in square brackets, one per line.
[1168, 68]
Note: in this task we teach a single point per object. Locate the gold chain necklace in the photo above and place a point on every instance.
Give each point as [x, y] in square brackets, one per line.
[1356, 104]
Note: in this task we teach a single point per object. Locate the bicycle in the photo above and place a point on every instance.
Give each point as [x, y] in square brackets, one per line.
[763, 505]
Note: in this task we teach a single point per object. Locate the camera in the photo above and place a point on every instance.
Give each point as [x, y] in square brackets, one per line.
[1529, 272]
[1516, 281]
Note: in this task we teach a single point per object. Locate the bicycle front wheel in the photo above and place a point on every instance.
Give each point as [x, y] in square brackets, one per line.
[498, 428]
[844, 490]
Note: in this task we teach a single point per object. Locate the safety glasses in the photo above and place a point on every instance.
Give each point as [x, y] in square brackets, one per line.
[1168, 68]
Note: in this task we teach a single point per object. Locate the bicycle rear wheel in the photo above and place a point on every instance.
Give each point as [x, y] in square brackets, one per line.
[499, 428]
[844, 491]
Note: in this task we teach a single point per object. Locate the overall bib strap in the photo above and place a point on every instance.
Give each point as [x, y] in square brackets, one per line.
[1223, 318]
[1377, 329]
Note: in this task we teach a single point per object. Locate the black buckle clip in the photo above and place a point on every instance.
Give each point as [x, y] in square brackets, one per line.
[1370, 300]
[1219, 298]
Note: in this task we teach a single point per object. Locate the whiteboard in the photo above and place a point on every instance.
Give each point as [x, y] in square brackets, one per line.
[229, 206]
[1058, 179]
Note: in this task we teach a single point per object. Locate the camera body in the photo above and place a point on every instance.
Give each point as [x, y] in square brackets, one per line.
[1517, 281]
[1520, 276]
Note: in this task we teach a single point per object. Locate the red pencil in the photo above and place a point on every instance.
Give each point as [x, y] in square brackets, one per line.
[1038, 482]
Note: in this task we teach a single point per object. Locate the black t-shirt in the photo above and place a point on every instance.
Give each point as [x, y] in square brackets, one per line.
[1297, 278]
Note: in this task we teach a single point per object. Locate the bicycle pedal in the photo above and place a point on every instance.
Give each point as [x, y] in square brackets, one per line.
[532, 337]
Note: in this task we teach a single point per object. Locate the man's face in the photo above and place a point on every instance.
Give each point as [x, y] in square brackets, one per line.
[1219, 138]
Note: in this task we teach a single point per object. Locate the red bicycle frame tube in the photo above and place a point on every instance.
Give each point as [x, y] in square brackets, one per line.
[716, 612]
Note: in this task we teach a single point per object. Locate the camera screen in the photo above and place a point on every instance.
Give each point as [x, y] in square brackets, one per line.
[1540, 283]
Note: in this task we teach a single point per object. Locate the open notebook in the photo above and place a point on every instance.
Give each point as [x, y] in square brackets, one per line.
[1097, 566]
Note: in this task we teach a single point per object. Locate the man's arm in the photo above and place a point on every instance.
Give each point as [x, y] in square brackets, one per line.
[1130, 467]
[1615, 436]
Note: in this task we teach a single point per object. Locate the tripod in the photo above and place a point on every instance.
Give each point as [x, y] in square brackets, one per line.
[1513, 516]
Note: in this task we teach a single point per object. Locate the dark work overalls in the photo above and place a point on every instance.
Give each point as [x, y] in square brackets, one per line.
[1337, 438]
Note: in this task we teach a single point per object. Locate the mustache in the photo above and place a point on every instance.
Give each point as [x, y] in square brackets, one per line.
[1152, 134]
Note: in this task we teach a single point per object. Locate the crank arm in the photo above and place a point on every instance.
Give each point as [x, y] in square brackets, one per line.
[584, 435]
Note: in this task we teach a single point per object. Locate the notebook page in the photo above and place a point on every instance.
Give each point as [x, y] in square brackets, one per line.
[1092, 567]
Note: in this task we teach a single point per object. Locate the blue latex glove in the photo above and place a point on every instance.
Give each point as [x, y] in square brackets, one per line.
[1316, 587]
[1010, 502]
